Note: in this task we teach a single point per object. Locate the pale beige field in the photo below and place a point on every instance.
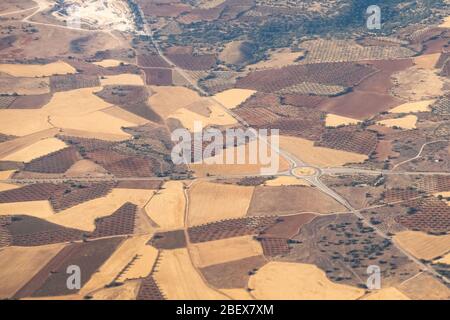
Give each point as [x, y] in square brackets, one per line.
[166, 100]
[37, 70]
[36, 150]
[83, 215]
[20, 264]
[425, 287]
[213, 201]
[216, 165]
[84, 168]
[4, 175]
[123, 79]
[109, 63]
[445, 23]
[178, 279]
[217, 117]
[390, 293]
[38, 209]
[237, 294]
[234, 97]
[220, 251]
[333, 120]
[319, 156]
[304, 171]
[406, 122]
[296, 281]
[167, 206]
[445, 259]
[427, 61]
[124, 115]
[127, 291]
[7, 186]
[119, 260]
[24, 86]
[411, 107]
[94, 135]
[277, 59]
[422, 245]
[286, 181]
[445, 195]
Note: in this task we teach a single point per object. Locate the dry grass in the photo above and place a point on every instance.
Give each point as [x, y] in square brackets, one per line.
[445, 23]
[84, 168]
[295, 281]
[127, 291]
[109, 63]
[333, 120]
[412, 107]
[425, 287]
[4, 175]
[36, 150]
[445, 259]
[36, 70]
[167, 206]
[237, 294]
[24, 86]
[213, 201]
[233, 97]
[222, 251]
[19, 264]
[318, 156]
[406, 122]
[124, 115]
[277, 59]
[178, 279]
[7, 186]
[422, 245]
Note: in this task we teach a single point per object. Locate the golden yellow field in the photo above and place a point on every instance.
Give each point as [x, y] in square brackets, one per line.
[406, 122]
[83, 215]
[6, 174]
[212, 166]
[318, 156]
[277, 59]
[445, 259]
[445, 23]
[179, 280]
[213, 201]
[20, 264]
[167, 206]
[84, 168]
[425, 287]
[422, 245]
[37, 70]
[221, 251]
[119, 260]
[38, 209]
[390, 293]
[233, 97]
[237, 294]
[166, 100]
[7, 186]
[124, 115]
[124, 79]
[297, 281]
[411, 107]
[36, 150]
[333, 120]
[127, 291]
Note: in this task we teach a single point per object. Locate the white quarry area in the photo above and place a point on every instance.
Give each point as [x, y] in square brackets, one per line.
[96, 14]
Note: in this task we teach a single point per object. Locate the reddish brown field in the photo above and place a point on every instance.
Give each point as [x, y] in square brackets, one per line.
[56, 162]
[349, 139]
[152, 61]
[372, 95]
[149, 290]
[30, 102]
[158, 76]
[33, 192]
[272, 80]
[434, 184]
[193, 62]
[396, 195]
[230, 228]
[432, 215]
[299, 100]
[139, 184]
[169, 240]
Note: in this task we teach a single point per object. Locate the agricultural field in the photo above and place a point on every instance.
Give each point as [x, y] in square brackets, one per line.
[103, 104]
